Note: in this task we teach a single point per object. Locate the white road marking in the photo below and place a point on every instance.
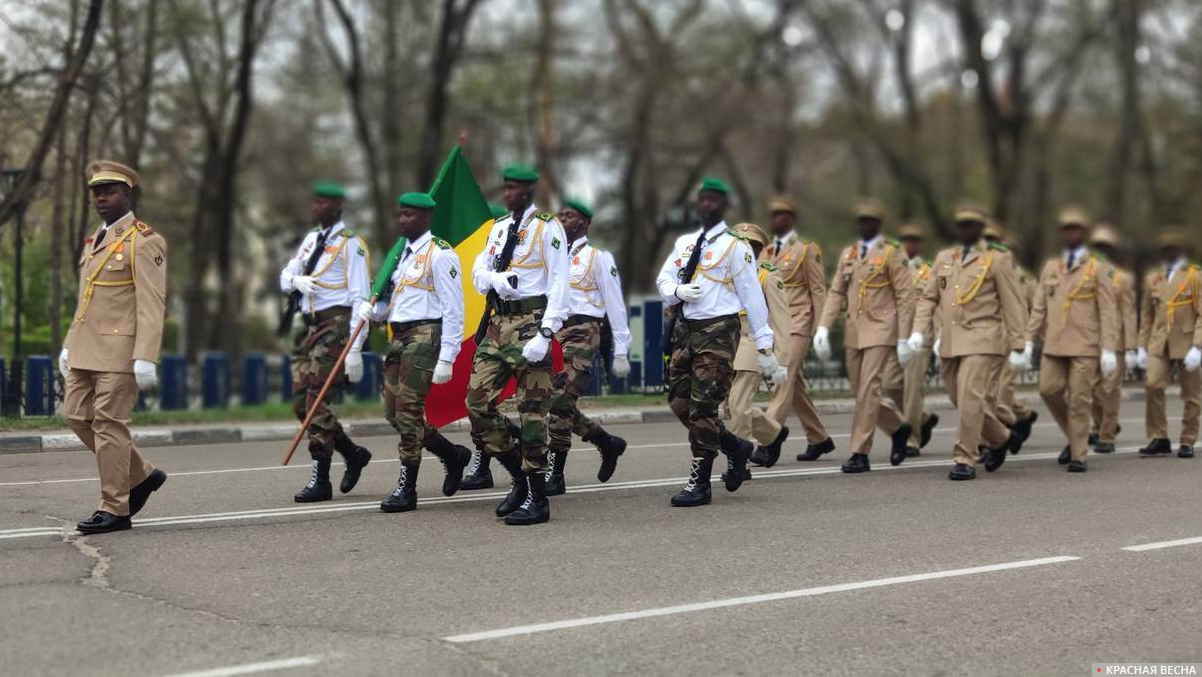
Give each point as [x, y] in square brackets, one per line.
[472, 497]
[253, 668]
[1164, 544]
[743, 601]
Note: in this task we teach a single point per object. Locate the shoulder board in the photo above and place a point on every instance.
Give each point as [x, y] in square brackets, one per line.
[143, 228]
[767, 265]
[892, 241]
[544, 216]
[348, 234]
[1194, 266]
[441, 243]
[997, 247]
[736, 235]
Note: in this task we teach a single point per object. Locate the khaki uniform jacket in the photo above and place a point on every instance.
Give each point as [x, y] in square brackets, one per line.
[920, 269]
[799, 263]
[878, 292]
[1077, 307]
[1124, 290]
[778, 319]
[980, 300]
[1171, 312]
[122, 292]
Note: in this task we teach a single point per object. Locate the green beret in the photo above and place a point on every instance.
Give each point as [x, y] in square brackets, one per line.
[328, 189]
[714, 184]
[497, 211]
[579, 205]
[519, 173]
[417, 200]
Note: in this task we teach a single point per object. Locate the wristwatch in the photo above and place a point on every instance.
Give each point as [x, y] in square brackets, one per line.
[546, 332]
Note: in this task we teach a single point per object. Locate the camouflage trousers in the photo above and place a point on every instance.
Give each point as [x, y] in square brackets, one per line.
[497, 358]
[700, 373]
[580, 343]
[314, 352]
[408, 372]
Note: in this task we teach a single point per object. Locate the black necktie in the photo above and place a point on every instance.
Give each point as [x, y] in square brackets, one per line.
[967, 250]
[100, 238]
[863, 250]
[778, 245]
[1072, 256]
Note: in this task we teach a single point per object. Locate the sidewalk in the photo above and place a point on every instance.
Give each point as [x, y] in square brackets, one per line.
[198, 434]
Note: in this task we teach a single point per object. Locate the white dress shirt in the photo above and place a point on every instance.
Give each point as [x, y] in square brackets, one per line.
[1175, 266]
[727, 275]
[867, 245]
[1079, 255]
[595, 290]
[341, 273]
[426, 286]
[539, 261]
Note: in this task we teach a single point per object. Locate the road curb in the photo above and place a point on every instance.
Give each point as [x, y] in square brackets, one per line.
[275, 432]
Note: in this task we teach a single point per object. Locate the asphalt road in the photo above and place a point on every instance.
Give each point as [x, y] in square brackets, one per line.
[802, 571]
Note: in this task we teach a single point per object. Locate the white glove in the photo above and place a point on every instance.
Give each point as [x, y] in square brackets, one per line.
[822, 343]
[621, 367]
[366, 312]
[536, 348]
[1018, 361]
[305, 284]
[1131, 357]
[442, 372]
[904, 353]
[689, 293]
[767, 364]
[500, 284]
[1193, 359]
[935, 350]
[916, 341]
[1110, 362]
[62, 363]
[354, 366]
[144, 374]
[780, 375]
[1141, 358]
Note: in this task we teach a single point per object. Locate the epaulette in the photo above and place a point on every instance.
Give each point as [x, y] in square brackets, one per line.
[441, 243]
[348, 234]
[143, 228]
[893, 241]
[544, 216]
[767, 265]
[997, 247]
[734, 234]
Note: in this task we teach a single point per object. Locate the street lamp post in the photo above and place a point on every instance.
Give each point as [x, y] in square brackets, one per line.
[11, 405]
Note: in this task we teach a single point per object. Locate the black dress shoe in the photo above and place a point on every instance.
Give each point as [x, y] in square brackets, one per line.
[912, 451]
[767, 455]
[961, 472]
[535, 509]
[318, 488]
[737, 450]
[102, 522]
[814, 451]
[996, 457]
[354, 457]
[1093, 439]
[901, 438]
[858, 463]
[1017, 438]
[1185, 451]
[697, 490]
[1023, 428]
[1066, 455]
[1157, 447]
[555, 484]
[139, 494]
[1076, 466]
[404, 497]
[1103, 448]
[928, 427]
[611, 447]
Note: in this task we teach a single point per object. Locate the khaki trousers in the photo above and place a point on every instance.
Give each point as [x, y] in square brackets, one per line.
[1159, 368]
[906, 386]
[865, 368]
[746, 419]
[1009, 409]
[971, 382]
[794, 394]
[1106, 396]
[1066, 387]
[97, 405]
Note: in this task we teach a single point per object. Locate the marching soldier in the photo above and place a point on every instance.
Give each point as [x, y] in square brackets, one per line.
[875, 285]
[973, 287]
[113, 344]
[594, 292]
[326, 281]
[799, 263]
[1014, 414]
[747, 420]
[523, 270]
[1076, 315]
[1109, 390]
[1171, 335]
[708, 277]
[907, 387]
[424, 311]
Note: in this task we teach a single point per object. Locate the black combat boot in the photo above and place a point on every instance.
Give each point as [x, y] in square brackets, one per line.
[535, 509]
[697, 490]
[404, 497]
[901, 440]
[454, 458]
[737, 451]
[318, 488]
[611, 447]
[928, 426]
[519, 488]
[355, 457]
[769, 454]
[556, 460]
[479, 475]
[815, 451]
[1157, 447]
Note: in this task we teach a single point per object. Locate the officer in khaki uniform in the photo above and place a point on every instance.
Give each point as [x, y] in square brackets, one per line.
[1109, 391]
[799, 263]
[973, 287]
[747, 420]
[874, 283]
[1171, 335]
[113, 344]
[1017, 416]
[1076, 314]
[907, 387]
